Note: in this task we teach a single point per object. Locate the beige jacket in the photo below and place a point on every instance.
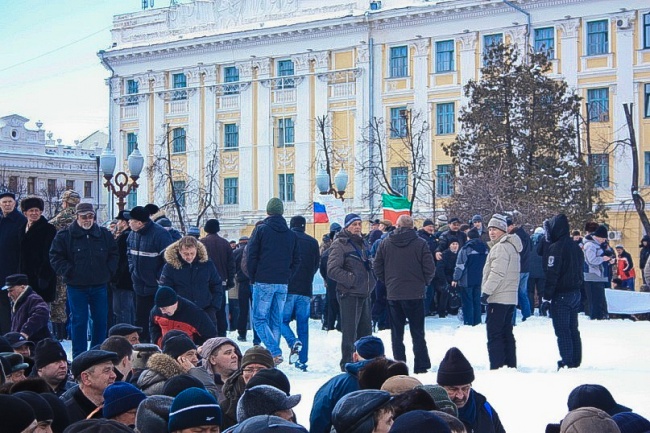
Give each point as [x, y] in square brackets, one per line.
[501, 270]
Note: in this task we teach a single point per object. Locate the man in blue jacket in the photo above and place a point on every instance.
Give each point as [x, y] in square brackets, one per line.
[146, 246]
[272, 259]
[86, 256]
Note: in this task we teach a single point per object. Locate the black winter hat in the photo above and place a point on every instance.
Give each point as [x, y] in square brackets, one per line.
[89, 358]
[98, 426]
[180, 383]
[123, 329]
[7, 194]
[48, 351]
[16, 414]
[419, 420]
[5, 345]
[601, 232]
[152, 208]
[455, 369]
[427, 222]
[597, 396]
[268, 424]
[264, 400]
[122, 215]
[15, 280]
[178, 345]
[165, 297]
[40, 406]
[138, 213]
[354, 412]
[212, 226]
[32, 202]
[61, 419]
[272, 377]
[473, 234]
[298, 221]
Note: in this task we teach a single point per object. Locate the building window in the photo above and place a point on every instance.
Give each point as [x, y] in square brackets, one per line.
[545, 41]
[179, 81]
[399, 180]
[646, 166]
[597, 37]
[88, 189]
[646, 31]
[286, 137]
[31, 185]
[598, 100]
[178, 140]
[230, 136]
[13, 183]
[444, 56]
[179, 190]
[646, 110]
[131, 142]
[489, 42]
[285, 69]
[445, 118]
[132, 199]
[399, 66]
[69, 184]
[131, 89]
[600, 163]
[398, 122]
[445, 180]
[51, 186]
[230, 190]
[231, 75]
[285, 186]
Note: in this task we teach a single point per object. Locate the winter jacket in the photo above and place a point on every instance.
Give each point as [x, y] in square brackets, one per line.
[165, 223]
[208, 377]
[29, 315]
[404, 263]
[565, 259]
[349, 265]
[535, 261]
[10, 235]
[145, 253]
[479, 416]
[160, 368]
[330, 393]
[221, 254]
[447, 236]
[645, 251]
[625, 266]
[430, 239]
[324, 258]
[469, 264]
[595, 268]
[302, 280]
[198, 281]
[188, 318]
[35, 258]
[84, 257]
[122, 278]
[272, 252]
[78, 406]
[445, 268]
[238, 255]
[524, 255]
[501, 270]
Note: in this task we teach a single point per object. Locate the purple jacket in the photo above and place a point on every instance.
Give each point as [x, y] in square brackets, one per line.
[30, 314]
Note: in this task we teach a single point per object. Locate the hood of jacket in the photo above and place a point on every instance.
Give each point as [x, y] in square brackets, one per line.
[277, 223]
[158, 215]
[511, 239]
[402, 237]
[164, 365]
[477, 245]
[173, 256]
[558, 227]
[213, 344]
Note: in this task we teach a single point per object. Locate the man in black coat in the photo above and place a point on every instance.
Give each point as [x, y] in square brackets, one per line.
[300, 290]
[11, 222]
[564, 278]
[123, 294]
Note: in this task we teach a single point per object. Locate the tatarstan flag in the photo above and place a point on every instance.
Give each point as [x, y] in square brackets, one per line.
[394, 207]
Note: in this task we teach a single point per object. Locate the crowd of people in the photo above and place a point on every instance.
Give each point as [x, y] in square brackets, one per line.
[159, 305]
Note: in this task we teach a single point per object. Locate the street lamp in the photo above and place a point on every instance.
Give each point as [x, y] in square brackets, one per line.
[121, 187]
[324, 185]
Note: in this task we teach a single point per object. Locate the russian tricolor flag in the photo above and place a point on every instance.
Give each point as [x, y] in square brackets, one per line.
[320, 213]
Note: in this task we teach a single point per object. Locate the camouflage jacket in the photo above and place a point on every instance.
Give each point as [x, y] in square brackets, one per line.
[63, 219]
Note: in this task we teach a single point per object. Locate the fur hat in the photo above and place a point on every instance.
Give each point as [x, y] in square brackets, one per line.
[42, 409]
[601, 232]
[178, 384]
[15, 413]
[165, 297]
[597, 396]
[588, 419]
[120, 397]
[376, 372]
[354, 412]
[498, 221]
[32, 202]
[257, 355]
[212, 226]
[264, 400]
[350, 218]
[400, 383]
[176, 346]
[272, 377]
[274, 207]
[153, 414]
[369, 347]
[193, 408]
[455, 369]
[48, 351]
[419, 420]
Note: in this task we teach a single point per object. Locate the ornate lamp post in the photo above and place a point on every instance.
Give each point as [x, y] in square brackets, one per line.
[121, 187]
[324, 184]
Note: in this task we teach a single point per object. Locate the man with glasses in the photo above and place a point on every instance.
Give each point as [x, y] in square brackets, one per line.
[86, 256]
[455, 375]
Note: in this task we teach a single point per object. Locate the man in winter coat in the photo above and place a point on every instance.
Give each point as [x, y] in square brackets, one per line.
[468, 274]
[332, 318]
[500, 286]
[123, 295]
[597, 260]
[427, 232]
[85, 254]
[30, 313]
[537, 277]
[455, 375]
[244, 290]
[564, 279]
[300, 290]
[453, 232]
[524, 270]
[477, 223]
[221, 254]
[146, 245]
[625, 268]
[193, 276]
[405, 264]
[444, 277]
[272, 259]
[350, 266]
[51, 365]
[35, 245]
[644, 254]
[11, 223]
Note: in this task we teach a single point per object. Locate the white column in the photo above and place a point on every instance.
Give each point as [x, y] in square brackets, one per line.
[468, 66]
[302, 159]
[158, 195]
[420, 106]
[144, 120]
[362, 120]
[265, 157]
[569, 55]
[246, 139]
[194, 149]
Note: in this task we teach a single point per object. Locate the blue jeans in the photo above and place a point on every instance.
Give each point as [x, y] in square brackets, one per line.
[628, 284]
[81, 298]
[124, 306]
[268, 306]
[298, 306]
[522, 298]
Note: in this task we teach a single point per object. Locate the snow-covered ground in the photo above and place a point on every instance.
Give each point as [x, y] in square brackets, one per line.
[616, 354]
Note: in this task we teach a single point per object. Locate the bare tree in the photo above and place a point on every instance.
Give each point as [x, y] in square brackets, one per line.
[52, 198]
[639, 202]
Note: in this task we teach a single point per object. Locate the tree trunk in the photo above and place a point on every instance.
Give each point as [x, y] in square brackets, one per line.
[639, 203]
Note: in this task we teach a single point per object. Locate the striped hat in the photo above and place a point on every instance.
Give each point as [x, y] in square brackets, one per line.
[193, 407]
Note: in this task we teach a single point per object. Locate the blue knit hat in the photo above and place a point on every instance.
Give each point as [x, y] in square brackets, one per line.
[369, 347]
[193, 408]
[121, 397]
[350, 218]
[630, 422]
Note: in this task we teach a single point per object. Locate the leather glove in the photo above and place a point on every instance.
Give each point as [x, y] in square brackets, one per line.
[484, 298]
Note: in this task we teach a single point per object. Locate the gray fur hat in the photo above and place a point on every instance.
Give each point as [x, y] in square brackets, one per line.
[264, 400]
[153, 414]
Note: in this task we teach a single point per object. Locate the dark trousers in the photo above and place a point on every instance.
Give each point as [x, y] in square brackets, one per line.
[233, 311]
[443, 298]
[143, 307]
[245, 300]
[222, 321]
[5, 312]
[413, 311]
[596, 295]
[564, 311]
[123, 306]
[332, 309]
[502, 348]
[355, 323]
[535, 286]
[429, 298]
[471, 303]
